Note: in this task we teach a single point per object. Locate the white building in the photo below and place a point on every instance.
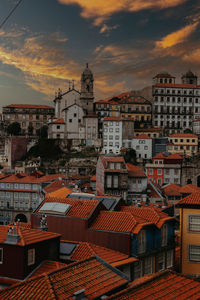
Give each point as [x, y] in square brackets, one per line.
[196, 126]
[175, 106]
[142, 144]
[112, 135]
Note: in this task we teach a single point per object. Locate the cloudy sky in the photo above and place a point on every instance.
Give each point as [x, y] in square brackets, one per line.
[46, 43]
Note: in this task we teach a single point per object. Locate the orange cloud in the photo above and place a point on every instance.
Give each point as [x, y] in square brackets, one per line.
[193, 57]
[177, 37]
[101, 10]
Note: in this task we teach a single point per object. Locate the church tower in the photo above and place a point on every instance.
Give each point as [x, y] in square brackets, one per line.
[87, 95]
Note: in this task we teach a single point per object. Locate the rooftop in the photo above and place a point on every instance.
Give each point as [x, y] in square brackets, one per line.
[164, 285]
[193, 199]
[24, 178]
[189, 189]
[184, 135]
[172, 190]
[29, 106]
[27, 236]
[177, 85]
[135, 171]
[60, 193]
[142, 136]
[93, 275]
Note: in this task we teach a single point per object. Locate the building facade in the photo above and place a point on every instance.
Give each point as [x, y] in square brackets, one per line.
[30, 117]
[175, 106]
[142, 144]
[185, 143]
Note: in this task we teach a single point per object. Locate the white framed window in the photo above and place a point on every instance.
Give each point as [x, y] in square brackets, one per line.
[194, 223]
[141, 241]
[116, 181]
[194, 253]
[159, 171]
[109, 181]
[170, 258]
[148, 265]
[150, 171]
[31, 257]
[164, 235]
[161, 261]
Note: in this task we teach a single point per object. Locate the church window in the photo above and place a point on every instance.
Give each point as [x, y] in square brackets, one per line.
[70, 120]
[79, 120]
[74, 115]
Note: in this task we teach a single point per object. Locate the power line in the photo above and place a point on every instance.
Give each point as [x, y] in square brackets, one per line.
[10, 13]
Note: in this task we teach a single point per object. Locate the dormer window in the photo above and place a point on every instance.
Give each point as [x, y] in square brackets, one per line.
[164, 235]
[141, 241]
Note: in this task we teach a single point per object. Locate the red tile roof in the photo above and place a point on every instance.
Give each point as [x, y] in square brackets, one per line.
[163, 75]
[189, 189]
[29, 106]
[164, 285]
[80, 208]
[159, 155]
[85, 250]
[95, 277]
[27, 236]
[47, 266]
[175, 156]
[93, 178]
[184, 135]
[60, 193]
[117, 119]
[119, 222]
[59, 121]
[135, 171]
[193, 199]
[172, 190]
[54, 186]
[30, 179]
[142, 136]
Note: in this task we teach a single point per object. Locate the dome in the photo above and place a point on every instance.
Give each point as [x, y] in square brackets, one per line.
[189, 73]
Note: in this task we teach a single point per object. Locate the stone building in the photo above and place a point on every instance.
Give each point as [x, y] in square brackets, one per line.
[175, 106]
[30, 117]
[74, 119]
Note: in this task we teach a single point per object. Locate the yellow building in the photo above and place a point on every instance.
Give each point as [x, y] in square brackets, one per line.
[186, 143]
[190, 235]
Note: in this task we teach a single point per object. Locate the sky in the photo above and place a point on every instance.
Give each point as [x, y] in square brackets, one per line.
[46, 43]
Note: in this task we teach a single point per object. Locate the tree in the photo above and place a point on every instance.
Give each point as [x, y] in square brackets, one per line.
[130, 156]
[14, 128]
[43, 132]
[187, 130]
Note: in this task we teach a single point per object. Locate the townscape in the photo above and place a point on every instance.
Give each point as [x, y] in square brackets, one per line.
[100, 198]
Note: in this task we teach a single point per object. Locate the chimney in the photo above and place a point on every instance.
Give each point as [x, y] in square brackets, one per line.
[13, 235]
[43, 223]
[79, 295]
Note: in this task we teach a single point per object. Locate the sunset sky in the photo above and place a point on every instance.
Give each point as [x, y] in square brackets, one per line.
[46, 43]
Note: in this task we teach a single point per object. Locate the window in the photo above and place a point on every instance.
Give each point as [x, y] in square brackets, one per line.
[74, 115]
[109, 181]
[116, 179]
[141, 241]
[58, 126]
[170, 258]
[161, 261]
[164, 235]
[148, 265]
[138, 269]
[145, 147]
[31, 257]
[194, 253]
[70, 120]
[159, 171]
[194, 223]
[150, 171]
[1, 255]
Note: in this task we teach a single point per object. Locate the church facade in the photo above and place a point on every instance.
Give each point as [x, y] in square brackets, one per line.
[74, 117]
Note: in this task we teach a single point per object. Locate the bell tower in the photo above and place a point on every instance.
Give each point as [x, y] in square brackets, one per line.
[87, 95]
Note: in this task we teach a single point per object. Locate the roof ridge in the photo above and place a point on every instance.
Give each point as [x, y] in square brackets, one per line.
[21, 235]
[47, 279]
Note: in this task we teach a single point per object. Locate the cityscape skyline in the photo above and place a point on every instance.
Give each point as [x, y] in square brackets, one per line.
[44, 45]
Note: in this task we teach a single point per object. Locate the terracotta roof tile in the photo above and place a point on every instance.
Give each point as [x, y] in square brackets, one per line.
[175, 156]
[80, 208]
[117, 119]
[54, 186]
[96, 277]
[135, 171]
[29, 106]
[172, 190]
[30, 179]
[27, 236]
[58, 121]
[177, 85]
[193, 199]
[47, 266]
[60, 193]
[21, 224]
[159, 156]
[189, 189]
[163, 285]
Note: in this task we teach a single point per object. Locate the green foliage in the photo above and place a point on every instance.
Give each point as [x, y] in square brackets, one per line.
[187, 130]
[46, 149]
[43, 132]
[14, 128]
[130, 156]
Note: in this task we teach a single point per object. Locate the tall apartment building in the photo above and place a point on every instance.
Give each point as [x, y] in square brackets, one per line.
[116, 131]
[30, 117]
[175, 106]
